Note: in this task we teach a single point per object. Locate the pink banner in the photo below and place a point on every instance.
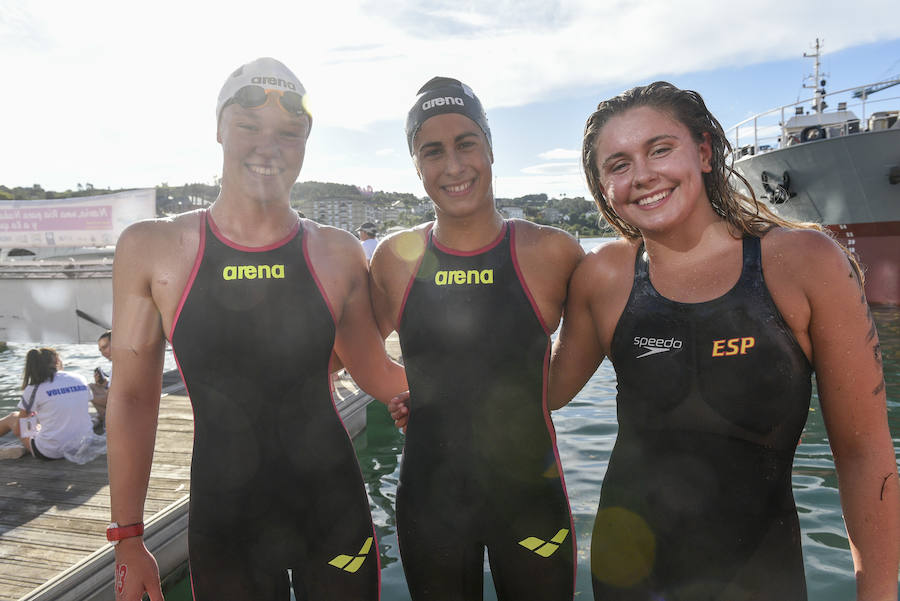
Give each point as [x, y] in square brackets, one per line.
[77, 218]
[83, 221]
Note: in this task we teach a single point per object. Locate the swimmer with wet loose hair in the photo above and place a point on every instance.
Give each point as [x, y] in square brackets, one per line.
[474, 298]
[696, 501]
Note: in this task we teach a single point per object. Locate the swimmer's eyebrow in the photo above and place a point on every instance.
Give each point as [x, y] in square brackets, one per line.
[429, 145]
[437, 144]
[650, 142]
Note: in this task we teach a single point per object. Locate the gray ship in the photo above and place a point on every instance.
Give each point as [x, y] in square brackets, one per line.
[840, 168]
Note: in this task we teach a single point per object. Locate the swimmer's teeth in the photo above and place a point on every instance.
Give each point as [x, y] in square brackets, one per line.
[263, 170]
[652, 199]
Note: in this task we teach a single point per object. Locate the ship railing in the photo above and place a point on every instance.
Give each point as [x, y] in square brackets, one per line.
[766, 131]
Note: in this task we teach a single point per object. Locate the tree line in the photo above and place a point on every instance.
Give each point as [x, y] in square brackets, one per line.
[575, 215]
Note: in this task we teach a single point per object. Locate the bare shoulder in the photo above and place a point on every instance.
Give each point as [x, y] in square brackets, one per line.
[403, 247]
[808, 258]
[414, 237]
[332, 238]
[609, 264]
[551, 242]
[157, 239]
[396, 258]
[338, 259]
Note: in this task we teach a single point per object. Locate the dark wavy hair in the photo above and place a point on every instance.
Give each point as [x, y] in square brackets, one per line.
[40, 366]
[743, 213]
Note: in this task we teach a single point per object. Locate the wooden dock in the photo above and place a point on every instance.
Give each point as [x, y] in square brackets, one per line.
[53, 515]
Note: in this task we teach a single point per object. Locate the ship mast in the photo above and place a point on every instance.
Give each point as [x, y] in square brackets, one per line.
[818, 84]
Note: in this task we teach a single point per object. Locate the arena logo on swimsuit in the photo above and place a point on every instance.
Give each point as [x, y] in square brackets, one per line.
[253, 272]
[459, 276]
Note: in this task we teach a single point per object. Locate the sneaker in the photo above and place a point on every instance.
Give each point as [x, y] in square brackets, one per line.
[11, 450]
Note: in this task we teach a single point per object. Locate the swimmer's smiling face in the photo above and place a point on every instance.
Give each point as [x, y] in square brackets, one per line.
[651, 169]
[453, 160]
[263, 149]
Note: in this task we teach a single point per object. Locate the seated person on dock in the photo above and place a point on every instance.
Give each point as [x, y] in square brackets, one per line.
[474, 299]
[100, 385]
[53, 415]
[715, 313]
[255, 301]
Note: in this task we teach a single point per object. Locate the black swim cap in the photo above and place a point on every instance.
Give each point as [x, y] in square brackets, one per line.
[445, 95]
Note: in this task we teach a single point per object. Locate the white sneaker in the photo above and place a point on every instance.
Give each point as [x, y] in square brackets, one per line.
[11, 450]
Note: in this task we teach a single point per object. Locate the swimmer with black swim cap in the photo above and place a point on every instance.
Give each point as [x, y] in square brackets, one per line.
[480, 466]
[441, 95]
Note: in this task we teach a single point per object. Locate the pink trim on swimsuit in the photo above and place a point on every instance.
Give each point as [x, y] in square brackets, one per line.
[515, 259]
[190, 283]
[468, 253]
[251, 249]
[412, 278]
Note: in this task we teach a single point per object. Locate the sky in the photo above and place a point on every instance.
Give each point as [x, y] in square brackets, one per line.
[122, 95]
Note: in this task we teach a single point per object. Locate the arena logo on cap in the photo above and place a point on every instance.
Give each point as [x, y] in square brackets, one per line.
[273, 81]
[441, 101]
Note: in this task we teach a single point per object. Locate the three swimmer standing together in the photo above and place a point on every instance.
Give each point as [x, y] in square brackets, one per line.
[696, 503]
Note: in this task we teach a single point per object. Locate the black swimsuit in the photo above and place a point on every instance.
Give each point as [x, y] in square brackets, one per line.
[274, 479]
[712, 398]
[480, 466]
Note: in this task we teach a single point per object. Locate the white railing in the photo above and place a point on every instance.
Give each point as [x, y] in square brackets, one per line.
[766, 131]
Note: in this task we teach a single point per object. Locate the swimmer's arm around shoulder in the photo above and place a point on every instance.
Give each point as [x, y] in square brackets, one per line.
[381, 267]
[847, 360]
[358, 342]
[133, 405]
[577, 351]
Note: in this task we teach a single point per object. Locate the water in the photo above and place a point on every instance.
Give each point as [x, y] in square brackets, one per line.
[586, 431]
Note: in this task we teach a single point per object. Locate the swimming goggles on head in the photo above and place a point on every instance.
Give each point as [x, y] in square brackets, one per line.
[251, 97]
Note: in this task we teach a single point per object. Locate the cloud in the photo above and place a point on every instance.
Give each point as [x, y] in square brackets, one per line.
[553, 169]
[560, 154]
[383, 152]
[139, 80]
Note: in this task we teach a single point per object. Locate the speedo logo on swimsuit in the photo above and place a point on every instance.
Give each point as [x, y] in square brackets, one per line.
[729, 347]
[655, 346]
[542, 547]
[350, 563]
[253, 272]
[66, 389]
[273, 81]
[442, 101]
[460, 276]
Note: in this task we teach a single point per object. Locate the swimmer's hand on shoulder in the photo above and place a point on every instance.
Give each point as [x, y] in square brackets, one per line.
[399, 409]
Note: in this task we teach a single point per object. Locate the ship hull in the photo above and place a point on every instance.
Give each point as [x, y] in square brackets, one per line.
[845, 184]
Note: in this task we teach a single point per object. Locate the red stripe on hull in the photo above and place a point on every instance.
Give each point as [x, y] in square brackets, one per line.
[877, 246]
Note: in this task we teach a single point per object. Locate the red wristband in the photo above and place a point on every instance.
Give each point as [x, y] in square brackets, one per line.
[115, 533]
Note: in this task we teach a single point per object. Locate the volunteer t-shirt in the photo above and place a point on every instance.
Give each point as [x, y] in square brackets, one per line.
[61, 406]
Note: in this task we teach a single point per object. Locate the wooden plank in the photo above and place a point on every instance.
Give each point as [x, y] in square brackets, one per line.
[53, 514]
